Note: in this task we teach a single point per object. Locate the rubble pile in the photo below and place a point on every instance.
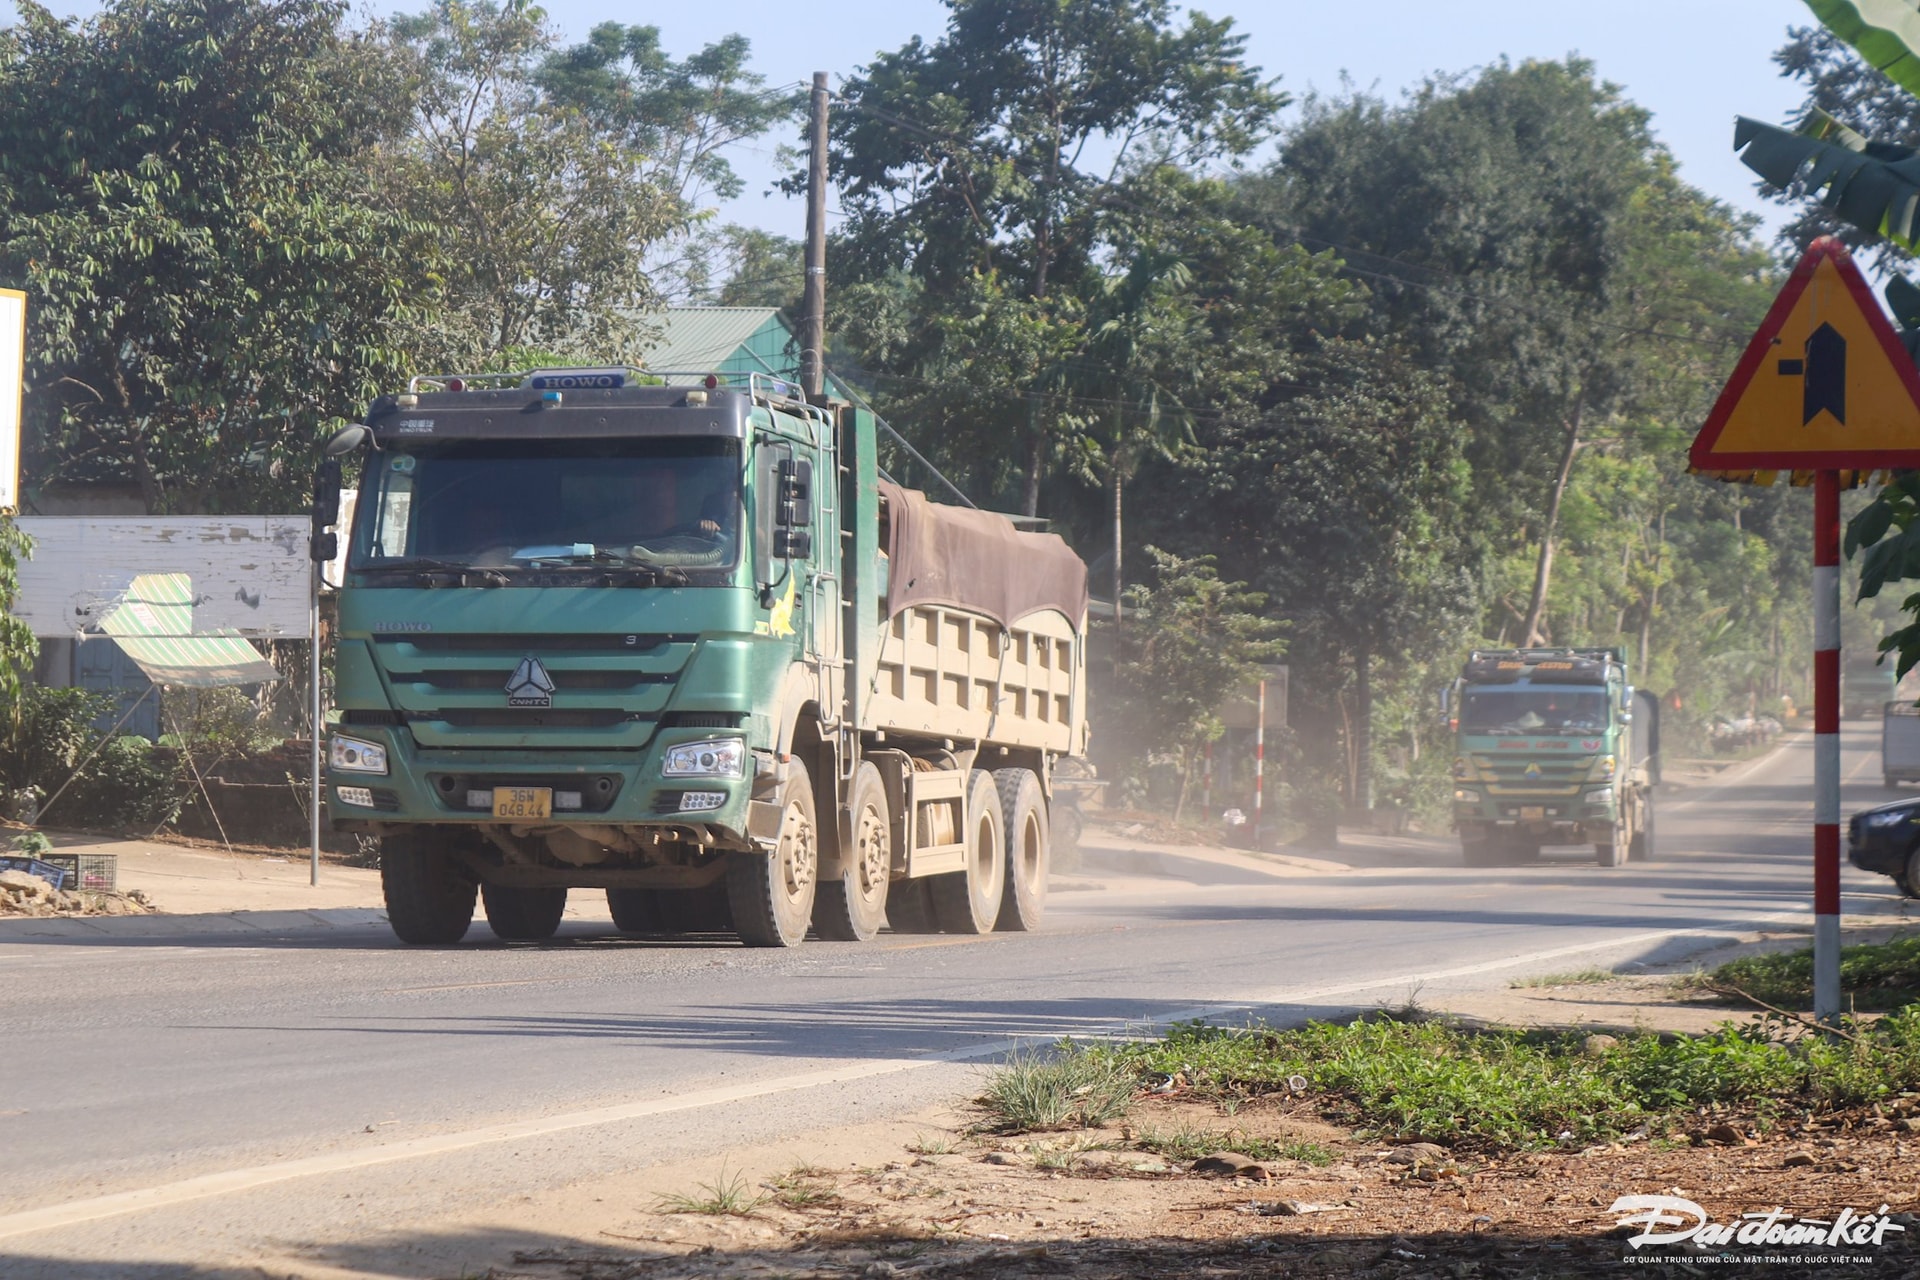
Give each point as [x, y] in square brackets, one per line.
[22, 894]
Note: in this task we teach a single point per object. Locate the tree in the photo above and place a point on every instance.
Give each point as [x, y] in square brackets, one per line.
[1194, 641]
[211, 276]
[547, 208]
[18, 645]
[966, 163]
[1506, 225]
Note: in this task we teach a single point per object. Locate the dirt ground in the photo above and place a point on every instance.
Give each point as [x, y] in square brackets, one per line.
[1095, 1204]
[946, 1198]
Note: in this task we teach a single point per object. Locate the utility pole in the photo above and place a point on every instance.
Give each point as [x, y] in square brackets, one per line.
[813, 324]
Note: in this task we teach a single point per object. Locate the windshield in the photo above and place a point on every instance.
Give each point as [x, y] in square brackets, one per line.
[526, 504]
[1533, 711]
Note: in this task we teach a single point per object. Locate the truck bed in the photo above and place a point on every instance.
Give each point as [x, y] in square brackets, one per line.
[949, 673]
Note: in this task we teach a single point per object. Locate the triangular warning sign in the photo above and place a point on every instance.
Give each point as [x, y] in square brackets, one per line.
[1823, 385]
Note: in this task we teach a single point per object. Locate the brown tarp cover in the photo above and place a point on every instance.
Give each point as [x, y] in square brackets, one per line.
[976, 560]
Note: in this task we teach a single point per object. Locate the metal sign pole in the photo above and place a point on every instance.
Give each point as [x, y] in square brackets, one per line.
[1826, 746]
[313, 681]
[1259, 761]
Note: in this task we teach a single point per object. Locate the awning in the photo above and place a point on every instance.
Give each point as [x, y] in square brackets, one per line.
[153, 625]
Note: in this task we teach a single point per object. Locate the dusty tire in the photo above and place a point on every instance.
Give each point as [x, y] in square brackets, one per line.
[1065, 825]
[1908, 882]
[771, 894]
[1483, 852]
[852, 906]
[910, 908]
[636, 912]
[1641, 848]
[429, 897]
[969, 901]
[523, 915]
[1023, 816]
[1610, 853]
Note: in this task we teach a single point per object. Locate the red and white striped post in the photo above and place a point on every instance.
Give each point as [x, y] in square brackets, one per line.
[1259, 760]
[1826, 746]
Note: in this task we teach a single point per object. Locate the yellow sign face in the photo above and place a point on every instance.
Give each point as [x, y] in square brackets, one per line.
[1825, 384]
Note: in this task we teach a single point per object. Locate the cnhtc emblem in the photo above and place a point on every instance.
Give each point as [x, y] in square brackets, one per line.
[530, 685]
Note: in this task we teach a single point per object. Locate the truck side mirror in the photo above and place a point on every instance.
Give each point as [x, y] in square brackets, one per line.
[796, 492]
[324, 546]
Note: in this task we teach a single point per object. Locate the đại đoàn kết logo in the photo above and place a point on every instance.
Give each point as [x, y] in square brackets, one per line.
[1675, 1220]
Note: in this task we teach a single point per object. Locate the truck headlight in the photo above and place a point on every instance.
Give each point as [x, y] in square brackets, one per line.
[1464, 796]
[716, 758]
[353, 755]
[1600, 795]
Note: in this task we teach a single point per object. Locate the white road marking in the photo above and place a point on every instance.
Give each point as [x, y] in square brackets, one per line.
[234, 1181]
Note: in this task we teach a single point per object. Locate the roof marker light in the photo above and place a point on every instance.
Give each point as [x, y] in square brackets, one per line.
[712, 381]
[549, 397]
[456, 384]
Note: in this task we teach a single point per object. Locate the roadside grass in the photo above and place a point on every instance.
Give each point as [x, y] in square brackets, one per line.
[1073, 1088]
[1473, 1089]
[1573, 978]
[728, 1195]
[1878, 976]
[1186, 1143]
[803, 1187]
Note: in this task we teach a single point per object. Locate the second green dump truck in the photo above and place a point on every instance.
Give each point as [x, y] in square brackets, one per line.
[1552, 747]
[688, 646]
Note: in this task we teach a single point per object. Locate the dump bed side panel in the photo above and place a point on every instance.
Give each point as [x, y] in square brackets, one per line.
[947, 673]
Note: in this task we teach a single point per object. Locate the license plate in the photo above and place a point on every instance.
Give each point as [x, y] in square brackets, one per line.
[523, 802]
[1528, 813]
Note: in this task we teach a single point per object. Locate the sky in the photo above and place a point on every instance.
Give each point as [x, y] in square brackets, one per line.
[1694, 63]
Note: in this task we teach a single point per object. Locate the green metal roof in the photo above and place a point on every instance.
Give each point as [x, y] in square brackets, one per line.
[728, 340]
[153, 623]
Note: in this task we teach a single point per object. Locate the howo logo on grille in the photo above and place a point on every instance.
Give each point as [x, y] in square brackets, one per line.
[1533, 770]
[530, 685]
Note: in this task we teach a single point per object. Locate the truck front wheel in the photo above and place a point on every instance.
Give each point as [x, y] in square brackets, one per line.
[1641, 847]
[969, 901]
[1612, 852]
[772, 893]
[853, 906]
[523, 915]
[429, 896]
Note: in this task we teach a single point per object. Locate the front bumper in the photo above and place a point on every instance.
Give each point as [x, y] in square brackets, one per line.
[1474, 810]
[424, 785]
[1883, 852]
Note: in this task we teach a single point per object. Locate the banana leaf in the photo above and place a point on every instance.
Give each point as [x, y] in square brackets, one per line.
[1873, 185]
[1884, 32]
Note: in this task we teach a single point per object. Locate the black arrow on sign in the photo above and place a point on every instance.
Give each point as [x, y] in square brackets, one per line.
[1826, 381]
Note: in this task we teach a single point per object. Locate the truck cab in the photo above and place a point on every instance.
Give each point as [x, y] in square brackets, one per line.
[601, 634]
[1552, 747]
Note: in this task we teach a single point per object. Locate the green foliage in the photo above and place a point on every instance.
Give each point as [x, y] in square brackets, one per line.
[1496, 1090]
[211, 279]
[32, 843]
[1191, 640]
[18, 647]
[219, 724]
[46, 734]
[1872, 975]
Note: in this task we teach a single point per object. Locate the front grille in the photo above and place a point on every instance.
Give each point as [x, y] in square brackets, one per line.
[352, 716]
[491, 678]
[703, 720]
[633, 642]
[528, 717]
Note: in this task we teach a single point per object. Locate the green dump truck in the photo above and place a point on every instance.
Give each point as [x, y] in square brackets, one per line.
[1552, 747]
[687, 645]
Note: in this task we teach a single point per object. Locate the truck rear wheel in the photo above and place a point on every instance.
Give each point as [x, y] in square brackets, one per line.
[910, 908]
[523, 914]
[1640, 848]
[1023, 815]
[772, 893]
[429, 897]
[969, 901]
[852, 906]
[636, 912]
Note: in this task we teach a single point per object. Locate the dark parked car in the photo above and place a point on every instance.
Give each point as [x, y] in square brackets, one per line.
[1886, 839]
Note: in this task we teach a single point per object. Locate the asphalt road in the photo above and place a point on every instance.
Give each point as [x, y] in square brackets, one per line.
[171, 1105]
